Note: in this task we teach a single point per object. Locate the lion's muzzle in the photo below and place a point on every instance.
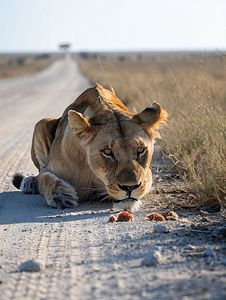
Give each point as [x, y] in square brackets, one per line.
[129, 189]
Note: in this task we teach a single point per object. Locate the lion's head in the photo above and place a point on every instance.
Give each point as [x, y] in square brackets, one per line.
[119, 145]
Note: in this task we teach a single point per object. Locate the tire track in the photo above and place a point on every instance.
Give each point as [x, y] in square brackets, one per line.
[14, 159]
[23, 102]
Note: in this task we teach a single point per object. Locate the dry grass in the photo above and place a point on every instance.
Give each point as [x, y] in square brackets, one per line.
[193, 91]
[11, 68]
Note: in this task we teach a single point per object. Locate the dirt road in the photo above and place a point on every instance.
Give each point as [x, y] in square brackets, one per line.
[81, 254]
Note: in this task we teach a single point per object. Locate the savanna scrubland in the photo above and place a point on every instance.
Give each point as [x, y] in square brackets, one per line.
[193, 91]
[23, 66]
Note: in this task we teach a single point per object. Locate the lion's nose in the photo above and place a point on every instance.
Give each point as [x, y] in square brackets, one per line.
[128, 188]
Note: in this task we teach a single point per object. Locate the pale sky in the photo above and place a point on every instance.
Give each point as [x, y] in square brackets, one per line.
[109, 25]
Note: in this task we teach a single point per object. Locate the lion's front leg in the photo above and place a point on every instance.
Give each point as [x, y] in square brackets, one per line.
[56, 191]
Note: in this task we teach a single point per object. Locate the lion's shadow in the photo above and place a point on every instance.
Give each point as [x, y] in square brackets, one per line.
[16, 207]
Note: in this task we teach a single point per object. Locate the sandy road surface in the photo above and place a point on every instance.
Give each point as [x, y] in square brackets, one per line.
[85, 256]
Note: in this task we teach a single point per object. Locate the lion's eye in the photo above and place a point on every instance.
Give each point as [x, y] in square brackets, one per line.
[141, 150]
[107, 152]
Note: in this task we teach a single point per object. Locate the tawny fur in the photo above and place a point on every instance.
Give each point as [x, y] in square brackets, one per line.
[97, 146]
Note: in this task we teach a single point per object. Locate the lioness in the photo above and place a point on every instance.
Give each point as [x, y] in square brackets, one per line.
[98, 147]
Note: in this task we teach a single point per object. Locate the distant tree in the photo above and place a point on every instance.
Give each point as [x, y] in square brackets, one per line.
[10, 62]
[94, 55]
[65, 47]
[122, 58]
[20, 61]
[84, 55]
[42, 56]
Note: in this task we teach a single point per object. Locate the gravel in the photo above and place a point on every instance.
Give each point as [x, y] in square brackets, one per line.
[152, 259]
[160, 228]
[221, 230]
[33, 265]
[77, 253]
[209, 252]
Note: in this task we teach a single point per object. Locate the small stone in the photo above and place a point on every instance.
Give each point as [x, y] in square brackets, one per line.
[224, 261]
[189, 247]
[209, 252]
[156, 248]
[214, 236]
[199, 248]
[181, 242]
[193, 225]
[84, 262]
[49, 266]
[223, 248]
[203, 213]
[204, 219]
[214, 263]
[152, 259]
[203, 227]
[160, 229]
[221, 230]
[32, 266]
[186, 252]
[183, 221]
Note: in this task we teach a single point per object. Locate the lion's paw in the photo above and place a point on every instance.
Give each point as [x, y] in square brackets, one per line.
[29, 185]
[63, 200]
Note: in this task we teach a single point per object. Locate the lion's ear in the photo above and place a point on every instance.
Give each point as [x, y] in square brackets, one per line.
[79, 123]
[151, 117]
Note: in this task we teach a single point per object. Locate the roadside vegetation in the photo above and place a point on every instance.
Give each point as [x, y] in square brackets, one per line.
[22, 66]
[193, 91]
